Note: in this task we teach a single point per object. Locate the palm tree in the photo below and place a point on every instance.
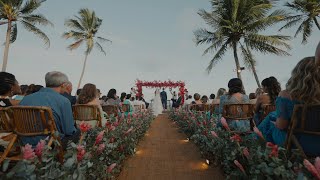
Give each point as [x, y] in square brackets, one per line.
[84, 29]
[308, 14]
[14, 11]
[237, 24]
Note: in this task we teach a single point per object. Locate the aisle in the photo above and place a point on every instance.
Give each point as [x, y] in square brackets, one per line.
[164, 154]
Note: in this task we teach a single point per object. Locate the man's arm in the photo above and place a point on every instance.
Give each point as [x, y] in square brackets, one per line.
[67, 121]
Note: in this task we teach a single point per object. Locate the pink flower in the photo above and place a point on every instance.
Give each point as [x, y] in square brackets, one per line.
[317, 164]
[84, 127]
[214, 134]
[134, 115]
[274, 149]
[246, 153]
[111, 167]
[258, 132]
[28, 152]
[81, 152]
[225, 124]
[311, 169]
[236, 138]
[236, 162]
[101, 148]
[99, 137]
[128, 131]
[39, 148]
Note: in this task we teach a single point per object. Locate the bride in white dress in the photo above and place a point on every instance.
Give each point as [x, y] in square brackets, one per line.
[157, 105]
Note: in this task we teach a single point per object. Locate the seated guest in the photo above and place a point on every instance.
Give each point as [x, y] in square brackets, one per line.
[259, 92]
[212, 97]
[33, 89]
[67, 93]
[235, 96]
[112, 98]
[123, 97]
[78, 92]
[89, 95]
[271, 88]
[61, 107]
[204, 99]
[302, 88]
[127, 101]
[252, 98]
[196, 98]
[9, 87]
[20, 96]
[221, 91]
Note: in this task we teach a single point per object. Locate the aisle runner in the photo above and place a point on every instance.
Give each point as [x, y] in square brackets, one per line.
[164, 154]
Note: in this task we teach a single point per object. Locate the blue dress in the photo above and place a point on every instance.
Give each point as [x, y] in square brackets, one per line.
[234, 125]
[284, 109]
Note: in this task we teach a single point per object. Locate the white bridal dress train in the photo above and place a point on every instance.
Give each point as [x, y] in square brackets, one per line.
[157, 105]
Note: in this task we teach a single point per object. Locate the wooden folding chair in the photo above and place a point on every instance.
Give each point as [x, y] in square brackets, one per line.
[266, 109]
[110, 110]
[241, 112]
[213, 108]
[304, 121]
[32, 121]
[197, 107]
[83, 112]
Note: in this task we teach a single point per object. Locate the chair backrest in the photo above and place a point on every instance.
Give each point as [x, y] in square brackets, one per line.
[304, 120]
[33, 120]
[83, 112]
[137, 108]
[206, 107]
[125, 107]
[266, 109]
[213, 108]
[110, 110]
[5, 120]
[238, 111]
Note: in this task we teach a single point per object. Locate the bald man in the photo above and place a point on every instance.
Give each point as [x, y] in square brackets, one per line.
[318, 54]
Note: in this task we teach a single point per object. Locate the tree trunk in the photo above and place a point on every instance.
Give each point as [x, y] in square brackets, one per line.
[6, 49]
[256, 76]
[83, 69]
[235, 54]
[236, 59]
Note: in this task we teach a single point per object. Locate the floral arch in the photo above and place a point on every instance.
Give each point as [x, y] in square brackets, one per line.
[161, 84]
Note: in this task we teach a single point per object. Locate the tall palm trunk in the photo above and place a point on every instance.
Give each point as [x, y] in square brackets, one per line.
[256, 76]
[6, 49]
[236, 59]
[83, 69]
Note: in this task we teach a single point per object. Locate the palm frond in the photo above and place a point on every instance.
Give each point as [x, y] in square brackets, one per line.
[74, 35]
[30, 6]
[211, 19]
[291, 21]
[98, 45]
[203, 36]
[36, 31]
[75, 45]
[218, 56]
[37, 19]
[90, 45]
[74, 24]
[101, 39]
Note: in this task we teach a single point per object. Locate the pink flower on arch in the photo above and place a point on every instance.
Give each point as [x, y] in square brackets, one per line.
[311, 168]
[39, 148]
[84, 127]
[99, 137]
[237, 163]
[225, 123]
[111, 167]
[28, 152]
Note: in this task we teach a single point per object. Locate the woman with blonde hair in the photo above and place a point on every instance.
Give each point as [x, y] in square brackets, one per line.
[221, 92]
[89, 96]
[302, 88]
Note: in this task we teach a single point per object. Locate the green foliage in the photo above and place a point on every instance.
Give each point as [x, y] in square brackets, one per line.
[119, 144]
[305, 14]
[240, 22]
[263, 161]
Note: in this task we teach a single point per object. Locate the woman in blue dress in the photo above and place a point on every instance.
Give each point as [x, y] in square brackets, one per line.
[235, 96]
[302, 87]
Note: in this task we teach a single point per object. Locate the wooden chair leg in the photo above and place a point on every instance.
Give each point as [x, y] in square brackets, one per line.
[8, 149]
[296, 143]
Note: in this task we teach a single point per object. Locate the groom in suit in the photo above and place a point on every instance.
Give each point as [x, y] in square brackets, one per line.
[163, 96]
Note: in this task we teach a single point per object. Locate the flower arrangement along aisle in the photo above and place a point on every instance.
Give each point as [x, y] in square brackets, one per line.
[98, 155]
[243, 157]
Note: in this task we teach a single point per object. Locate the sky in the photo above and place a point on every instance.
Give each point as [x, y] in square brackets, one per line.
[151, 40]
